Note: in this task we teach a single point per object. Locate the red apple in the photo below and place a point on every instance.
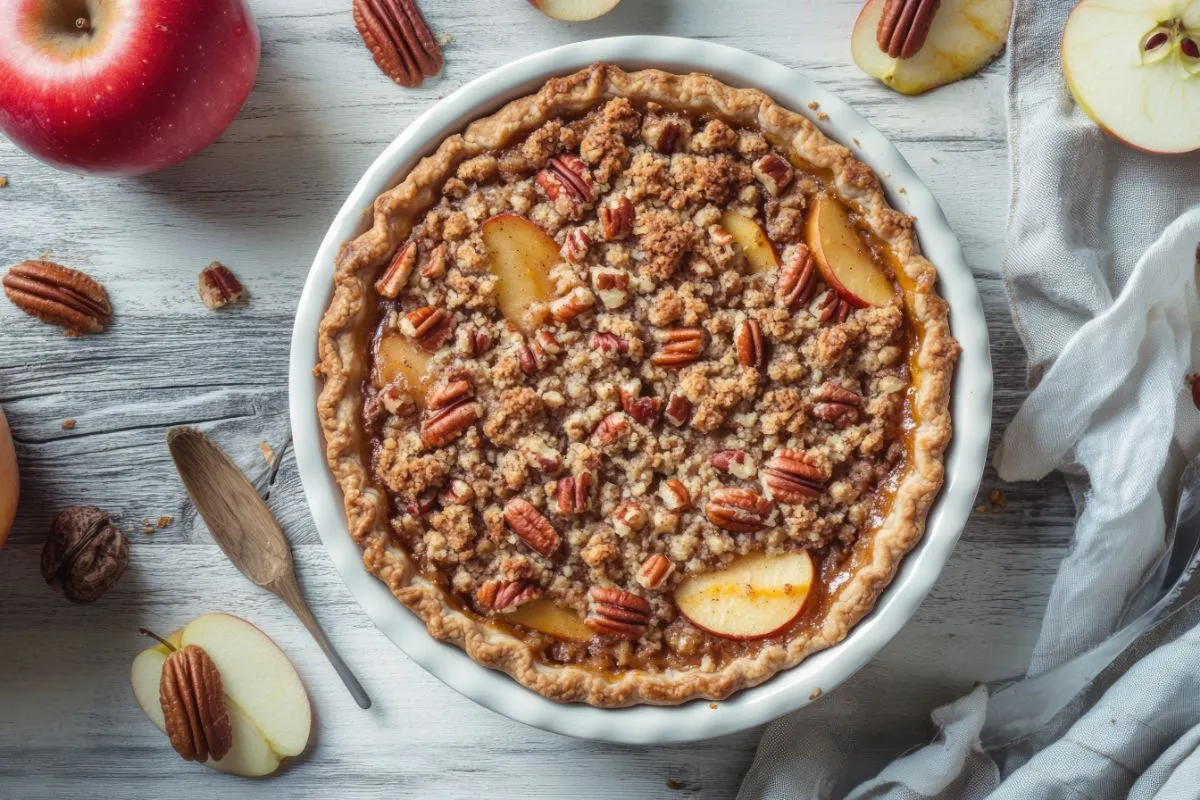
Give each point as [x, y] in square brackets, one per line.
[123, 86]
[10, 482]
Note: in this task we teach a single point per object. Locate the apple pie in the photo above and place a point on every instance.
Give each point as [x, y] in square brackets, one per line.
[637, 389]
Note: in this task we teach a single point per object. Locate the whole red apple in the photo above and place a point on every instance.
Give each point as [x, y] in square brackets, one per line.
[123, 86]
[10, 481]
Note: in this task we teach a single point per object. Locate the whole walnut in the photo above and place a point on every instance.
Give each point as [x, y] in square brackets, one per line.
[85, 553]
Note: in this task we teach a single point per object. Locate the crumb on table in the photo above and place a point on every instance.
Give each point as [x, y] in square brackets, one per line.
[267, 453]
[68, 424]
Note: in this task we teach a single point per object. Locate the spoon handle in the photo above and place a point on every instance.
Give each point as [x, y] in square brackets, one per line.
[288, 590]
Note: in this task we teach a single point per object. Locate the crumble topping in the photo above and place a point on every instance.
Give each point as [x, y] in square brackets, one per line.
[591, 400]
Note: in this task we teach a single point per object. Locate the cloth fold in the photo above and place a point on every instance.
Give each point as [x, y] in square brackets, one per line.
[1101, 274]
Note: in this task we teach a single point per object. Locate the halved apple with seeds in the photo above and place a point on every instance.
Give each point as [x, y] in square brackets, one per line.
[750, 240]
[842, 256]
[542, 615]
[398, 355]
[755, 596]
[521, 256]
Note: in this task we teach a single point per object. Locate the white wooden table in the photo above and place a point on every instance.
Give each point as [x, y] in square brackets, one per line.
[259, 200]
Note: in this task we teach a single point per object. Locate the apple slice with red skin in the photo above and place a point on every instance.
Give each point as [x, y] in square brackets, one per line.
[521, 256]
[966, 36]
[751, 241]
[753, 597]
[574, 10]
[842, 256]
[542, 615]
[1133, 66]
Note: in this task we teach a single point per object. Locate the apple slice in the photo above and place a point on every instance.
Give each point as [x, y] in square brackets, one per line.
[842, 256]
[750, 240]
[757, 595]
[966, 36]
[268, 706]
[521, 256]
[574, 10]
[1134, 67]
[542, 615]
[398, 355]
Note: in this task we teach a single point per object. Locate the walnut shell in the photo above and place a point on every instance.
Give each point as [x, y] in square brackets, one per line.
[85, 553]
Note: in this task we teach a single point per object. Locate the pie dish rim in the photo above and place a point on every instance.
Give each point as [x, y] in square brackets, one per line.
[480, 98]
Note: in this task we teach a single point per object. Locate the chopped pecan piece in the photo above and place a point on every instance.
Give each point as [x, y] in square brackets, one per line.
[719, 236]
[797, 280]
[654, 571]
[675, 495]
[497, 595]
[219, 287]
[612, 285]
[473, 341]
[574, 494]
[396, 398]
[833, 307]
[531, 527]
[680, 347]
[541, 456]
[679, 409]
[427, 326]
[572, 304]
[738, 463]
[396, 276]
[774, 172]
[435, 267]
[575, 245]
[663, 136]
[567, 173]
[749, 340]
[738, 510]
[535, 353]
[610, 429]
[423, 504]
[456, 493]
[792, 477]
[609, 343]
[618, 614]
[643, 410]
[629, 518]
[836, 405]
[616, 220]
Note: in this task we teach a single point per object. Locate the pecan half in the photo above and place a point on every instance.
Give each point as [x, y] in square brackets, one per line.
[575, 245]
[473, 341]
[679, 347]
[679, 409]
[629, 518]
[448, 393]
[738, 510]
[738, 463]
[836, 405]
[749, 340]
[574, 494]
[904, 26]
[572, 304]
[60, 295]
[398, 271]
[616, 220]
[499, 595]
[449, 413]
[833, 307]
[654, 571]
[193, 704]
[567, 173]
[792, 477]
[427, 326]
[535, 353]
[531, 527]
[674, 494]
[797, 281]
[774, 173]
[663, 136]
[399, 39]
[218, 287]
[617, 614]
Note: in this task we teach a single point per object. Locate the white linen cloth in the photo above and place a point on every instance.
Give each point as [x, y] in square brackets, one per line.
[1103, 252]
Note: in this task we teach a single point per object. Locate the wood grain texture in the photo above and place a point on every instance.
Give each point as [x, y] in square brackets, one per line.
[259, 200]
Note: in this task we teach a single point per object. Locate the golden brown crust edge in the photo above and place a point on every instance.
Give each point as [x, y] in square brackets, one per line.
[342, 367]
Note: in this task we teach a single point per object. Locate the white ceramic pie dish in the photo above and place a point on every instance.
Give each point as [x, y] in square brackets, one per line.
[971, 403]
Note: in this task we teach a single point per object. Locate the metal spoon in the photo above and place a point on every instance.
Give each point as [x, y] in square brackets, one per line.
[242, 524]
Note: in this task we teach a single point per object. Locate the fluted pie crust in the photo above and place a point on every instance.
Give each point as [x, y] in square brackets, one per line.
[870, 562]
